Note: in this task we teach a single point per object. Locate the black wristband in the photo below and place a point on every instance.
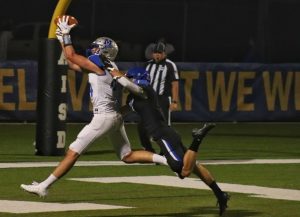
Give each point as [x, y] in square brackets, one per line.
[174, 101]
[67, 40]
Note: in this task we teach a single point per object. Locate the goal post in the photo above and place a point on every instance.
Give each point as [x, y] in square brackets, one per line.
[60, 9]
[51, 108]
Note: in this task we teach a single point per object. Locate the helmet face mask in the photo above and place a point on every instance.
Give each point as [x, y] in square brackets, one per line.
[104, 46]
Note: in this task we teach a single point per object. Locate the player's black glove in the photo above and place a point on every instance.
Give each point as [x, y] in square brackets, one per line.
[113, 84]
[107, 63]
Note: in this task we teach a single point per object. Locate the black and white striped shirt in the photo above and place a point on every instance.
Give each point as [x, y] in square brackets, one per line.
[162, 75]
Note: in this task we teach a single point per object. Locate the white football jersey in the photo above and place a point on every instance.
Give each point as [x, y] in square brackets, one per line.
[102, 95]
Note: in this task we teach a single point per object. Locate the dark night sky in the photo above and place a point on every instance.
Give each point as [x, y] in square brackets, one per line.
[210, 30]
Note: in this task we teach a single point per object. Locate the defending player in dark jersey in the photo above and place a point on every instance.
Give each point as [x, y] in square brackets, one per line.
[180, 159]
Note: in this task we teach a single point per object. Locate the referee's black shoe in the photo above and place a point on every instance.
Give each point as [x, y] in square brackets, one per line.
[200, 133]
[222, 202]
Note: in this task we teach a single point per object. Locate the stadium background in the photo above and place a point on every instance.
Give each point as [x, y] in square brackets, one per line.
[211, 38]
[201, 31]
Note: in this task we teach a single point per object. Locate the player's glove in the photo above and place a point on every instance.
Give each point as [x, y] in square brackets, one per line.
[59, 35]
[107, 63]
[114, 83]
[64, 26]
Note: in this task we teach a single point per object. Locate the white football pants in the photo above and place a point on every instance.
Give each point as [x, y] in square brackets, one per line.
[104, 124]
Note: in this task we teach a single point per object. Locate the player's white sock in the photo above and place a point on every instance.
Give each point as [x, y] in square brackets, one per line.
[159, 159]
[49, 181]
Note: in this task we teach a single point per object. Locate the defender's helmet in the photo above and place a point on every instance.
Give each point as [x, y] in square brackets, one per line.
[139, 75]
[107, 47]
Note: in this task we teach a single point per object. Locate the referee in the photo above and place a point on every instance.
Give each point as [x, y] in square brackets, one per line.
[164, 80]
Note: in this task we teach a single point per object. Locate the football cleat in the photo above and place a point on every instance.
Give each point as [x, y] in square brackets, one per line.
[200, 133]
[222, 202]
[35, 188]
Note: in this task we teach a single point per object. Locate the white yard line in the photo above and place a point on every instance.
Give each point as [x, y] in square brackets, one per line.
[13, 206]
[120, 163]
[173, 181]
[251, 161]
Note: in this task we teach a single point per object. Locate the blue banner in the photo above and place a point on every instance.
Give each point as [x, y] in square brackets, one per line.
[239, 92]
[208, 92]
[18, 90]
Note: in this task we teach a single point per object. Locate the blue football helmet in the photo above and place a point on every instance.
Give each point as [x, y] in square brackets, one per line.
[103, 46]
[139, 76]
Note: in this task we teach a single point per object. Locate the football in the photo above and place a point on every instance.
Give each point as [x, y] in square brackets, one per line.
[72, 20]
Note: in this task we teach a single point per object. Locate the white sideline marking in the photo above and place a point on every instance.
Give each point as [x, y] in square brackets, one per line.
[13, 206]
[120, 163]
[254, 191]
[251, 161]
[54, 164]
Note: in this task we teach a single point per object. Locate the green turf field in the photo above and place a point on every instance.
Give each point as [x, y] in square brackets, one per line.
[228, 141]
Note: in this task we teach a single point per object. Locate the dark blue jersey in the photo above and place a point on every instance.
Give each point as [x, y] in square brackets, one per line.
[149, 111]
[155, 125]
